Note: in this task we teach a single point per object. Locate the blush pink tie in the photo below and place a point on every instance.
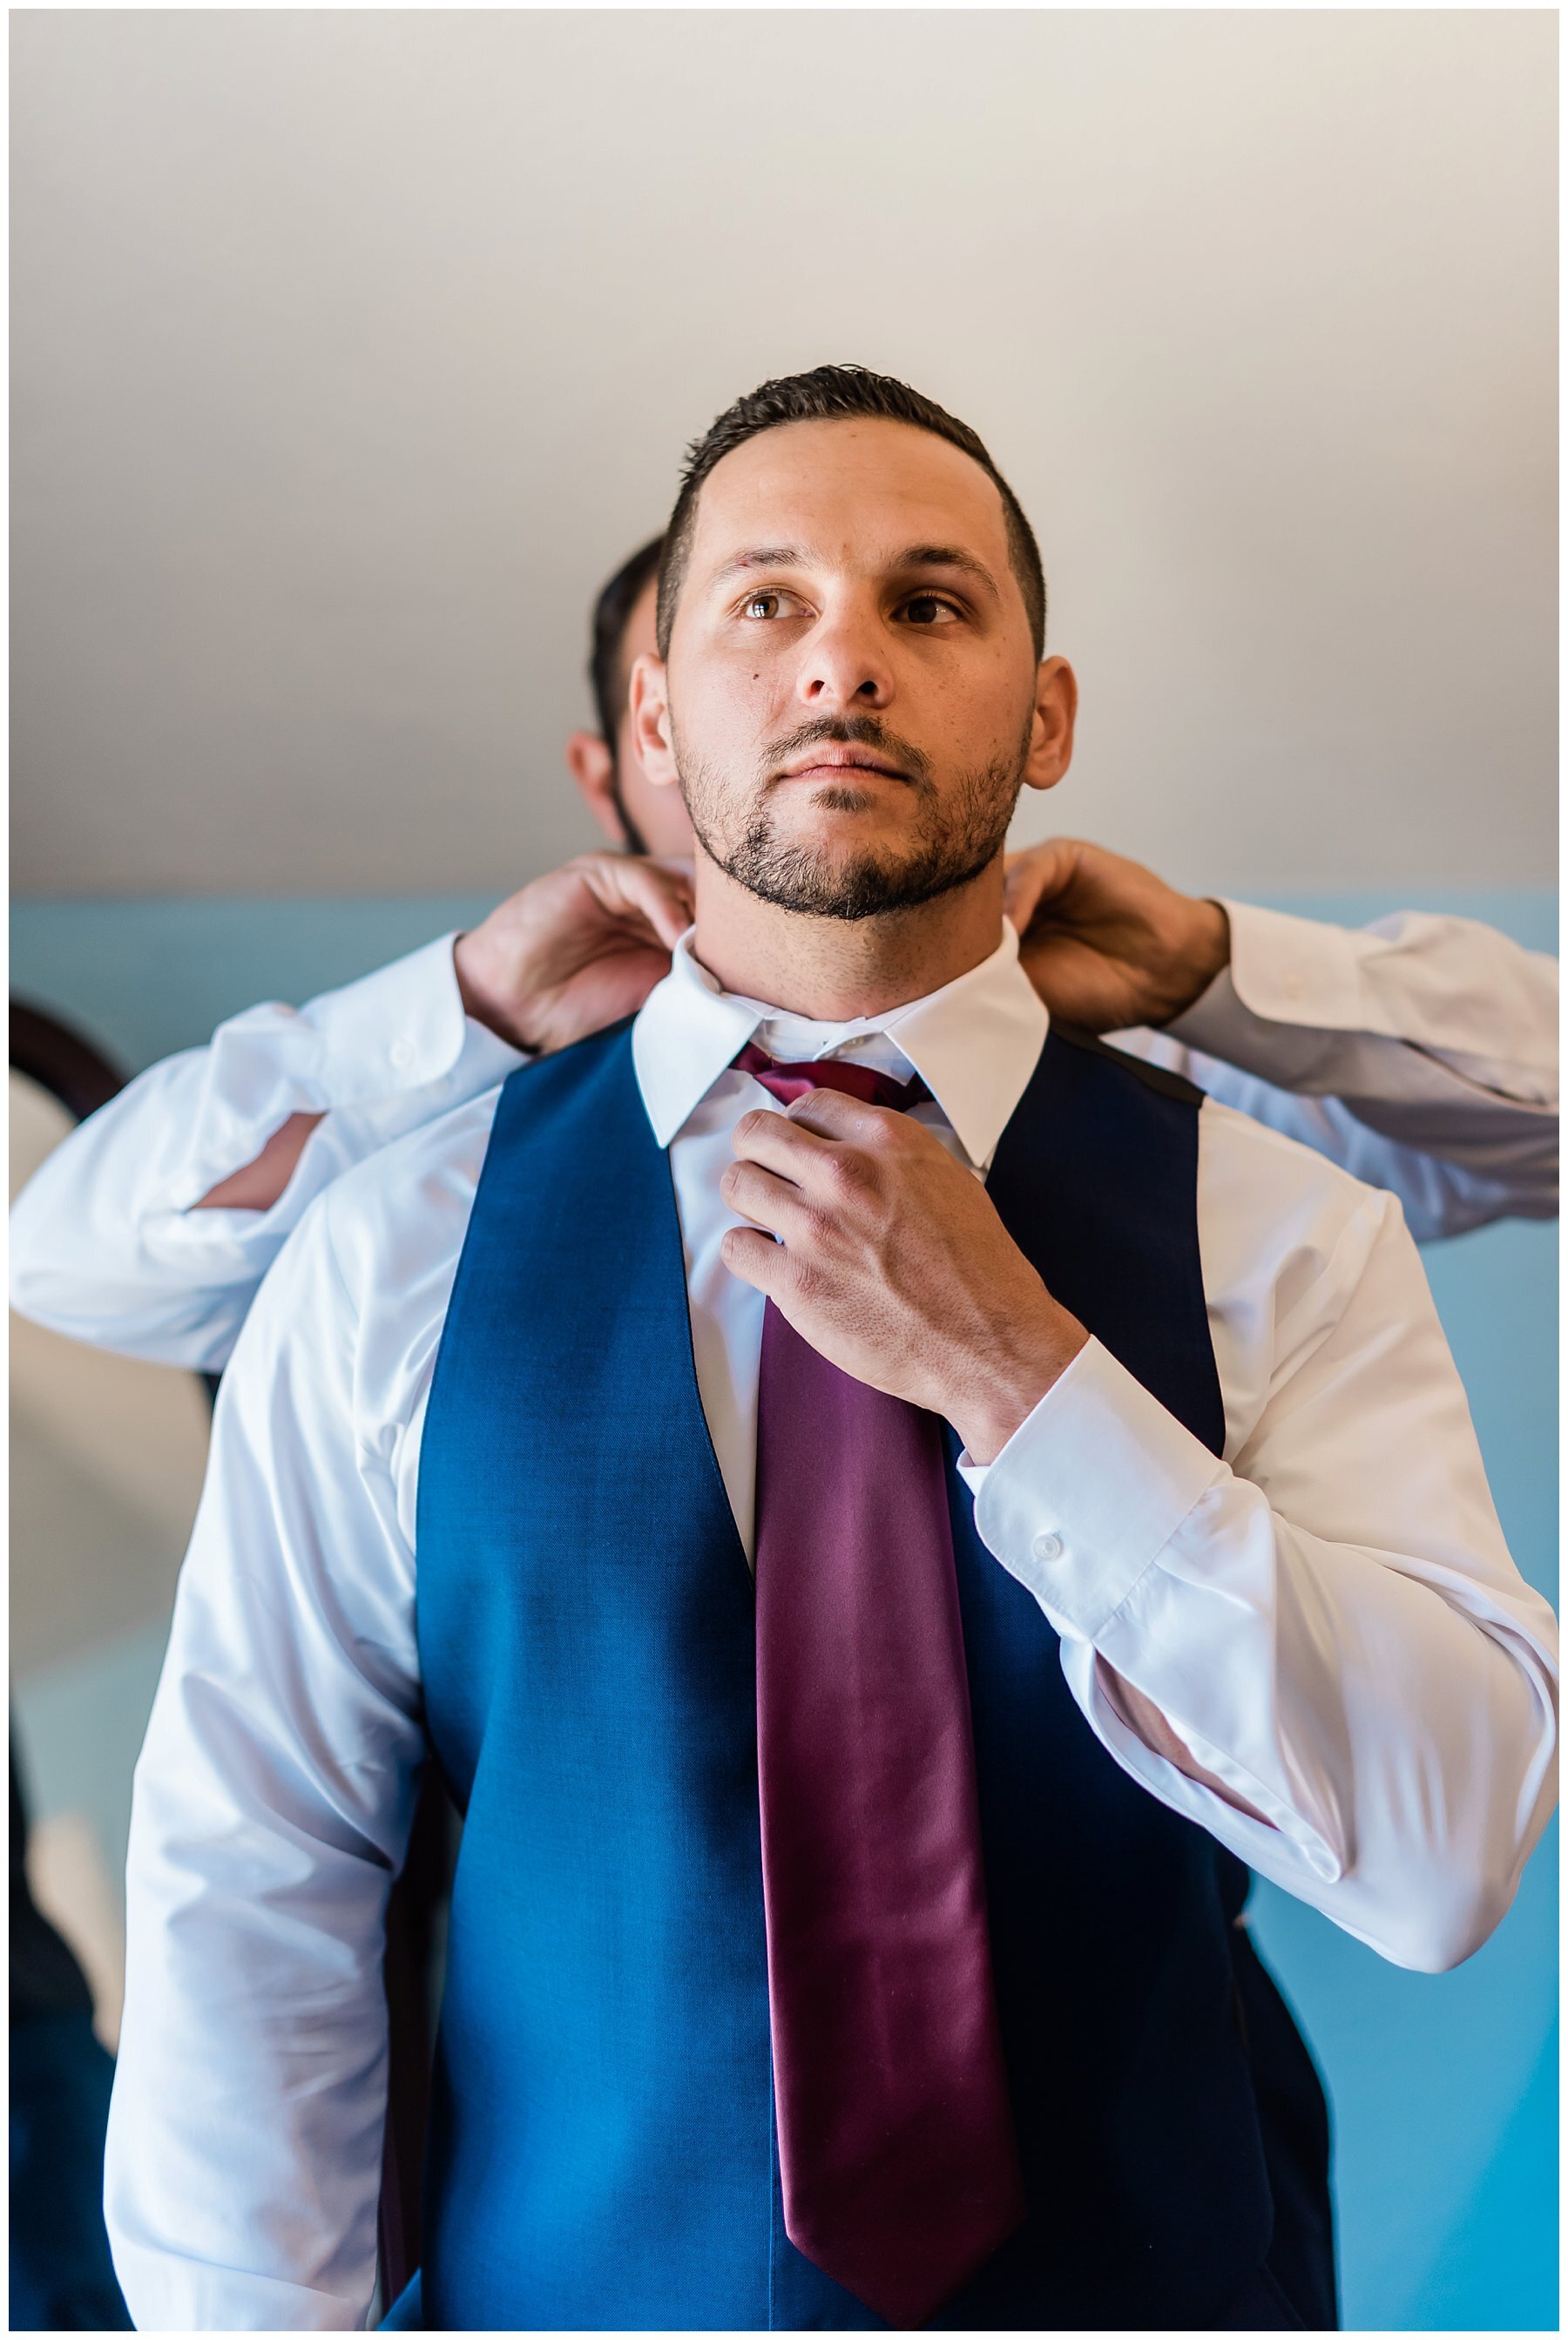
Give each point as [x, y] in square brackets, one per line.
[898, 2160]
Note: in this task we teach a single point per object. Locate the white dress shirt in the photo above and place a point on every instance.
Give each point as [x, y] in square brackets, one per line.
[1420, 1053]
[1327, 1618]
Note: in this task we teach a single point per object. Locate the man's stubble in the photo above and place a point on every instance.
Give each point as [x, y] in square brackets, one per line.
[958, 832]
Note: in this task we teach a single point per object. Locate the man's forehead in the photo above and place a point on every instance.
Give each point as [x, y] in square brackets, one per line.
[865, 490]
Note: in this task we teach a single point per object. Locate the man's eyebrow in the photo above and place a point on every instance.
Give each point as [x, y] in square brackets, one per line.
[762, 556]
[946, 556]
[917, 556]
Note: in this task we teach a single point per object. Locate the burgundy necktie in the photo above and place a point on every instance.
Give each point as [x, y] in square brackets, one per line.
[897, 2158]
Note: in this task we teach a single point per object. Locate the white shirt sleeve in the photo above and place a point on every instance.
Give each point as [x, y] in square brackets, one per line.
[105, 1245]
[1328, 1619]
[1420, 1053]
[271, 1807]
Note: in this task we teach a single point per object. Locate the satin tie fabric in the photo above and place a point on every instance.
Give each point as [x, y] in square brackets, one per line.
[898, 2160]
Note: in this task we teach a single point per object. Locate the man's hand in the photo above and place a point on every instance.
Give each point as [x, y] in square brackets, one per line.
[567, 956]
[1105, 942]
[893, 1263]
[575, 950]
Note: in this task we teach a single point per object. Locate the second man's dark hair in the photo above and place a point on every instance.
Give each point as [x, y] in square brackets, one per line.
[612, 616]
[832, 394]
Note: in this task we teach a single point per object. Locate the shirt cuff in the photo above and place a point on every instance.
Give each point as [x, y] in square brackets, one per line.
[1282, 970]
[1088, 1490]
[403, 1028]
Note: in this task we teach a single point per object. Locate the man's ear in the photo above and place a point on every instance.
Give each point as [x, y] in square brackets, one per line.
[1051, 730]
[650, 705]
[593, 766]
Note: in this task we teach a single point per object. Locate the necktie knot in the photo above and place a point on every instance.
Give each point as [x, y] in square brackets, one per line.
[787, 1082]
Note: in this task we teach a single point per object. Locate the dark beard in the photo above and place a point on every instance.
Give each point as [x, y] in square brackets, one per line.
[960, 837]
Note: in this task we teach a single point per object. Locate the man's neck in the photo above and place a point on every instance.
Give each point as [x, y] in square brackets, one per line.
[836, 970]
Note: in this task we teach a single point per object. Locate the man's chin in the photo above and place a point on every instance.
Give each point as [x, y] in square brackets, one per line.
[844, 796]
[818, 882]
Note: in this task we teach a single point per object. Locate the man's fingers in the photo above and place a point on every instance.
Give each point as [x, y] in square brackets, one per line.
[766, 1200]
[820, 1114]
[656, 895]
[663, 896]
[780, 1142]
[754, 1257]
[1034, 876]
[832, 1113]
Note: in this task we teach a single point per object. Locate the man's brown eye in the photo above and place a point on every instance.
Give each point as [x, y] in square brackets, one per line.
[762, 605]
[925, 609]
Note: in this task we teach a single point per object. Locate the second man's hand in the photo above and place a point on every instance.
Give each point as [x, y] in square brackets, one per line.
[574, 951]
[892, 1261]
[571, 953]
[1105, 942]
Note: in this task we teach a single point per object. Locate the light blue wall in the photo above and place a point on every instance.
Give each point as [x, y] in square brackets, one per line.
[1443, 2086]
[146, 977]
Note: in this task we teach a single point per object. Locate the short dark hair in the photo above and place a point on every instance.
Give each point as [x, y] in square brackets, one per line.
[831, 393]
[612, 616]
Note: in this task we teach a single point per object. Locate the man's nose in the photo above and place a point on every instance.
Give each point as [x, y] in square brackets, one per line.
[845, 665]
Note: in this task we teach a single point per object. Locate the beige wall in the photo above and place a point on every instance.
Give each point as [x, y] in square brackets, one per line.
[350, 350]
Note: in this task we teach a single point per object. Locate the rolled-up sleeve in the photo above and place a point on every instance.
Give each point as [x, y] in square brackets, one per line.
[106, 1245]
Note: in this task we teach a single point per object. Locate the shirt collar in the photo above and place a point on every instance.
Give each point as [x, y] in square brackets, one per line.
[974, 1043]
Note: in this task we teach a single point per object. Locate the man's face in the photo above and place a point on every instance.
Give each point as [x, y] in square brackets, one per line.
[851, 699]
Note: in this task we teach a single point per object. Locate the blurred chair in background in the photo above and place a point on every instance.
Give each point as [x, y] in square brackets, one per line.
[61, 2278]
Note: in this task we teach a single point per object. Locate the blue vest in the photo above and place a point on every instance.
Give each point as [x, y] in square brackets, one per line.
[602, 2151]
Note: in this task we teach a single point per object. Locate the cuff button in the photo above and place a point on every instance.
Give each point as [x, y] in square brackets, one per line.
[1048, 1547]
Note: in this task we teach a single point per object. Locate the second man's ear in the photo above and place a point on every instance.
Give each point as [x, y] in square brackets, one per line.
[593, 766]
